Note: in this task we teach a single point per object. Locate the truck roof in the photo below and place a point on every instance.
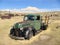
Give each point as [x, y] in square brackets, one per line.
[32, 15]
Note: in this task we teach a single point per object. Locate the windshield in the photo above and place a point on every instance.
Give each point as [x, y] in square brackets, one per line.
[29, 18]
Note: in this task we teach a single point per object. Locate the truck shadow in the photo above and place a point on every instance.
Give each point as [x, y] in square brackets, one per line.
[22, 38]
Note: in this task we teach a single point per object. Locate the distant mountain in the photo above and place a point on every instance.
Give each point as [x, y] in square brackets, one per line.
[30, 10]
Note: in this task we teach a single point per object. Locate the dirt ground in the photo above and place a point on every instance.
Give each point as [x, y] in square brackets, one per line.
[51, 36]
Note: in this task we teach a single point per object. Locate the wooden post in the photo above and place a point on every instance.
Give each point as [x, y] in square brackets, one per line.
[46, 19]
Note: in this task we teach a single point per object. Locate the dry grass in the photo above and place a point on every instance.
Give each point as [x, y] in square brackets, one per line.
[51, 36]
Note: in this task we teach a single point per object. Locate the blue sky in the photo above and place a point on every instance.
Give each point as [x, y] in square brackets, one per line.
[17, 4]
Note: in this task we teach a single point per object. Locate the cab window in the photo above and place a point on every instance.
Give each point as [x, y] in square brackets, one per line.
[38, 18]
[29, 18]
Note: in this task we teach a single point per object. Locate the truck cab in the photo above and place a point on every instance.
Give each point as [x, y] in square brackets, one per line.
[34, 20]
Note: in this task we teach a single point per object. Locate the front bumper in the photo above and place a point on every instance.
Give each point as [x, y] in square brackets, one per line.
[16, 34]
[16, 38]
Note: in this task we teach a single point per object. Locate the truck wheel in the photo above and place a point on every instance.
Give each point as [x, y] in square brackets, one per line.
[34, 31]
[44, 27]
[11, 34]
[28, 34]
[12, 31]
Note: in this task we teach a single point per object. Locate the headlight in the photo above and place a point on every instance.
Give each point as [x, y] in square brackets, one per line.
[21, 28]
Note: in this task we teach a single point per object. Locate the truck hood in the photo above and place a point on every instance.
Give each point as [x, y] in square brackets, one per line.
[22, 24]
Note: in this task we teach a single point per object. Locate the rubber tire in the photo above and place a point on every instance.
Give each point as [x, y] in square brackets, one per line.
[44, 27]
[28, 34]
[12, 31]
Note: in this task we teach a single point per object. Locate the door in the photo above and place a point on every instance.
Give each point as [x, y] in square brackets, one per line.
[37, 23]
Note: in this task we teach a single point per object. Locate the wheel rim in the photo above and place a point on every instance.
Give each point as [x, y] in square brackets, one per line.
[30, 34]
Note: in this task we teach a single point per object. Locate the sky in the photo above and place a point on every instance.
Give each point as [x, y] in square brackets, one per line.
[17, 4]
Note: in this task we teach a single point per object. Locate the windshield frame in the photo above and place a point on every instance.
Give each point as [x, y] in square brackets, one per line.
[29, 17]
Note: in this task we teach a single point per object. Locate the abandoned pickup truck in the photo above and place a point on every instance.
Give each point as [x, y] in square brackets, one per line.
[31, 24]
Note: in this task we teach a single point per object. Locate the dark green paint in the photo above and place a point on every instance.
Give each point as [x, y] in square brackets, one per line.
[35, 23]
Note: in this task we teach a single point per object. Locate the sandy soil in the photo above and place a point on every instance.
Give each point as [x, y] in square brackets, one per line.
[51, 36]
